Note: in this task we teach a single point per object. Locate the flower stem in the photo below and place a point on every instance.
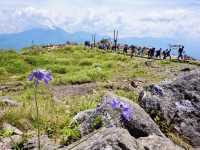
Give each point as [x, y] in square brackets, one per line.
[37, 115]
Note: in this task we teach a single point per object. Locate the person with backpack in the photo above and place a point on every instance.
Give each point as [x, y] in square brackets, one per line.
[158, 53]
[180, 52]
[168, 53]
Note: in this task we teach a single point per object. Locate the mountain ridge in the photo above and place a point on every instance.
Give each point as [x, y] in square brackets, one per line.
[57, 35]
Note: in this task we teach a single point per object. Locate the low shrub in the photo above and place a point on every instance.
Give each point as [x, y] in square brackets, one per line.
[85, 62]
[37, 61]
[60, 69]
[70, 135]
[17, 66]
[2, 71]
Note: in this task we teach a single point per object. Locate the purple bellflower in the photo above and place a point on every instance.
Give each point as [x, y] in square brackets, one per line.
[37, 76]
[126, 111]
[115, 104]
[40, 75]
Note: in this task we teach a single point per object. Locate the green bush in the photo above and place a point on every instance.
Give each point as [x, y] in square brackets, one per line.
[70, 135]
[96, 74]
[17, 66]
[128, 94]
[165, 62]
[60, 69]
[97, 123]
[2, 71]
[6, 133]
[73, 78]
[63, 61]
[138, 73]
[37, 61]
[85, 62]
[109, 65]
[121, 58]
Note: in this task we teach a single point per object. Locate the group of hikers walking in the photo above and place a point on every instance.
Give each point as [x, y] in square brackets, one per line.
[138, 51]
[152, 52]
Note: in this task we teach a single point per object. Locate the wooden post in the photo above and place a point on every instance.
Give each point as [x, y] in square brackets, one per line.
[32, 45]
[93, 41]
[115, 39]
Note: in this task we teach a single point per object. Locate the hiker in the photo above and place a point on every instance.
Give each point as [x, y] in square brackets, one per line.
[125, 50]
[180, 52]
[152, 52]
[158, 53]
[140, 51]
[168, 53]
[149, 52]
[165, 54]
[87, 44]
[132, 47]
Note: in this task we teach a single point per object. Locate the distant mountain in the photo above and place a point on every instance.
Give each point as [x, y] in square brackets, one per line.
[41, 36]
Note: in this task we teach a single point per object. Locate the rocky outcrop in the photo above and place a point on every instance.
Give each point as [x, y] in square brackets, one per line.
[46, 144]
[178, 103]
[135, 84]
[140, 124]
[59, 92]
[7, 101]
[105, 139]
[120, 139]
[154, 142]
[11, 87]
[11, 128]
[8, 142]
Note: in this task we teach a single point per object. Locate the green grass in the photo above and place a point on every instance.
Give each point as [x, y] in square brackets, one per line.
[128, 94]
[5, 133]
[54, 118]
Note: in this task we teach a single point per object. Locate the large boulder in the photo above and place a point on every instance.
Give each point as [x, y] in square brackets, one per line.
[139, 125]
[154, 142]
[178, 103]
[9, 142]
[45, 143]
[107, 139]
[120, 139]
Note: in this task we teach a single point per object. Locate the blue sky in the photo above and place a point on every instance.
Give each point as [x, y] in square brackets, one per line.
[136, 18]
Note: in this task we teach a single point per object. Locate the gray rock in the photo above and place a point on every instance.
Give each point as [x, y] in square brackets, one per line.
[7, 101]
[46, 143]
[106, 139]
[120, 139]
[8, 142]
[9, 127]
[154, 142]
[140, 124]
[83, 115]
[178, 103]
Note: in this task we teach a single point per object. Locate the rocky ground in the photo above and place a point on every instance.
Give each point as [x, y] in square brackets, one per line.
[77, 110]
[177, 102]
[72, 90]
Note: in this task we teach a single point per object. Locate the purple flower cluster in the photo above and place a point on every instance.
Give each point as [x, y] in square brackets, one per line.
[40, 75]
[126, 111]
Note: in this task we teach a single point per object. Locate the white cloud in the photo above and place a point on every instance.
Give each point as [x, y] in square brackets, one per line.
[132, 18]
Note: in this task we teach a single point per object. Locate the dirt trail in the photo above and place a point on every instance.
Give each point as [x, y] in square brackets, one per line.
[60, 92]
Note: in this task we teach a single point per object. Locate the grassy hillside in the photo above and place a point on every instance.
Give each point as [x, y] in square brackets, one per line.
[72, 65]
